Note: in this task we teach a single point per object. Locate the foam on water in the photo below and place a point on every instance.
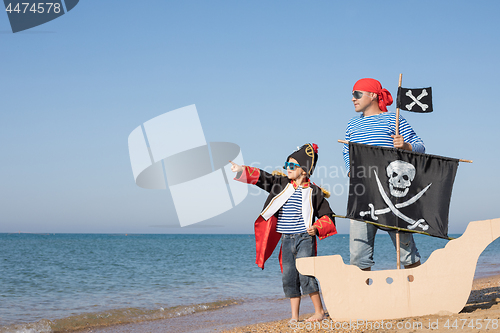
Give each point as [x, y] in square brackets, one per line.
[42, 326]
[112, 317]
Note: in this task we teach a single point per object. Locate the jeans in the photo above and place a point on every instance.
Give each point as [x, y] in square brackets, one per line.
[297, 246]
[362, 240]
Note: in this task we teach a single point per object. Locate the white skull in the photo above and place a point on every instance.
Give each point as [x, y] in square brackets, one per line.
[400, 175]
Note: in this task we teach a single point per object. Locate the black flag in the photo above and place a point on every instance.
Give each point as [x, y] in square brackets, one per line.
[415, 99]
[400, 188]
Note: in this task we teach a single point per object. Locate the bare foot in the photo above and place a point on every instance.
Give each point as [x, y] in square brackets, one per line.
[316, 317]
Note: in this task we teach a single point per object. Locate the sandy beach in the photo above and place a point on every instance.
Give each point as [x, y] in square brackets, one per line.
[481, 313]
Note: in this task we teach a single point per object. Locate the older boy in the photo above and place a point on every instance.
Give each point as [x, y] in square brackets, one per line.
[375, 126]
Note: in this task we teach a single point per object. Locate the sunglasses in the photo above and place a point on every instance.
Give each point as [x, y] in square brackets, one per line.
[291, 166]
[357, 94]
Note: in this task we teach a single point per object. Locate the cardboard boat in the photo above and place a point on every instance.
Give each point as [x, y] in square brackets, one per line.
[440, 285]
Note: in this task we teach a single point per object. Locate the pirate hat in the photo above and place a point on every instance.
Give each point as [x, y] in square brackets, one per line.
[306, 156]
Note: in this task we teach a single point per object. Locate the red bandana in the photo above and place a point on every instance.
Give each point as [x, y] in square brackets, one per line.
[372, 85]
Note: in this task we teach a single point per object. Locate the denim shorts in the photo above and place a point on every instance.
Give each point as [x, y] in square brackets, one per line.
[362, 241]
[297, 246]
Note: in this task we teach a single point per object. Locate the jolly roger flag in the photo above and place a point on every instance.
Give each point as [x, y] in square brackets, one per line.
[400, 188]
[414, 99]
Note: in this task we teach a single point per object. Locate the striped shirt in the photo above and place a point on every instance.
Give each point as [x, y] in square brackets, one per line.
[376, 130]
[290, 219]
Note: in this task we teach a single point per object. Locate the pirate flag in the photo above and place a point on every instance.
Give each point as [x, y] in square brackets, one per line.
[401, 188]
[415, 99]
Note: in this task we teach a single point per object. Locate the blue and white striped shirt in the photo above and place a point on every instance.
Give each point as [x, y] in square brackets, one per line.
[376, 130]
[290, 219]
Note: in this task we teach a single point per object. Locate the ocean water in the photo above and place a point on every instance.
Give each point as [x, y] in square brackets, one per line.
[69, 281]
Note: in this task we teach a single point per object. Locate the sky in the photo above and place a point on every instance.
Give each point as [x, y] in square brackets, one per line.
[266, 75]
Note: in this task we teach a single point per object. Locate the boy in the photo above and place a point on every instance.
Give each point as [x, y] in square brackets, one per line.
[288, 214]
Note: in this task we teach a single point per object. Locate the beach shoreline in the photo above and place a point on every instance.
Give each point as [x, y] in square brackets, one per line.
[481, 313]
[482, 308]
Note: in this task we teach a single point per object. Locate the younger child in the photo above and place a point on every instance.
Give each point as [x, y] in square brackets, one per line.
[288, 214]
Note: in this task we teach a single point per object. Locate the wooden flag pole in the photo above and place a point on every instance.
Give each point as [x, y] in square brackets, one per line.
[398, 250]
[397, 109]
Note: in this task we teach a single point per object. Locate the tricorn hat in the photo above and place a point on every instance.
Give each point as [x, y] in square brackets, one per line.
[306, 156]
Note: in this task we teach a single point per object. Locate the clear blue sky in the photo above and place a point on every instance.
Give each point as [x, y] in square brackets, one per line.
[267, 75]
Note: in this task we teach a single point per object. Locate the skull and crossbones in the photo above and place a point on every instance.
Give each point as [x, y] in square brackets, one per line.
[400, 174]
[417, 100]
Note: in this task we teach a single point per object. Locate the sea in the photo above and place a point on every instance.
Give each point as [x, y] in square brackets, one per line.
[64, 282]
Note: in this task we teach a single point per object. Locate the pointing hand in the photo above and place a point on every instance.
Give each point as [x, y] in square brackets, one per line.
[236, 167]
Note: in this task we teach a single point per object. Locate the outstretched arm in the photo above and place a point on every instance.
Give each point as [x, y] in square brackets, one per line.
[245, 174]
[254, 176]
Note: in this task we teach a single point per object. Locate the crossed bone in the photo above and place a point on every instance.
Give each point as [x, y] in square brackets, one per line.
[417, 100]
[391, 207]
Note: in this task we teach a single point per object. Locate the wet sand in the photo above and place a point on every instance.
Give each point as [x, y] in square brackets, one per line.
[482, 308]
[244, 313]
